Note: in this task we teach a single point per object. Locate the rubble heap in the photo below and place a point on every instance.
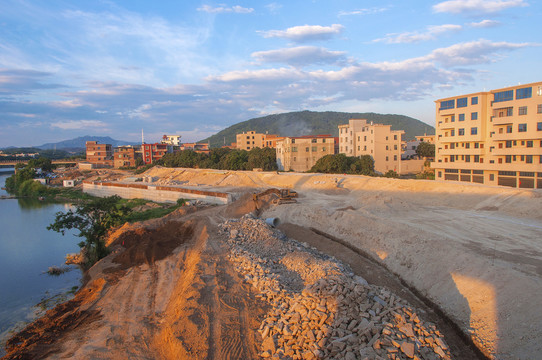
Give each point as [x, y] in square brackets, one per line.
[319, 308]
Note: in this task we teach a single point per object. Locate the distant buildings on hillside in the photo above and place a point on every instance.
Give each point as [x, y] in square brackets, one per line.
[103, 155]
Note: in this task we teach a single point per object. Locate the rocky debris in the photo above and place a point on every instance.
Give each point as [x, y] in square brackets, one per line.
[319, 308]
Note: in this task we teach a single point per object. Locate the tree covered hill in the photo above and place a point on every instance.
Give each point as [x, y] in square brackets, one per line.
[312, 123]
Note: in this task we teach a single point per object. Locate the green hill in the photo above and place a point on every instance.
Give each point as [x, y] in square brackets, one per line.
[312, 123]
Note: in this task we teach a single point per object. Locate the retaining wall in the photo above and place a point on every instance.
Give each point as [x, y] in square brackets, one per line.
[163, 194]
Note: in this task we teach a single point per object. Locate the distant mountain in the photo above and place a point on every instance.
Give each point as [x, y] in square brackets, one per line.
[312, 123]
[79, 143]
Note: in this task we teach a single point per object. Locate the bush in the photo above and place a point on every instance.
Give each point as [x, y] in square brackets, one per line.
[391, 174]
[342, 164]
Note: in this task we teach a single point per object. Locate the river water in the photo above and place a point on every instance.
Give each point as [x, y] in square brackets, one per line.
[27, 249]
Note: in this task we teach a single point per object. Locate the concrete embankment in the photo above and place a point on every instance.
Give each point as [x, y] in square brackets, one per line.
[163, 194]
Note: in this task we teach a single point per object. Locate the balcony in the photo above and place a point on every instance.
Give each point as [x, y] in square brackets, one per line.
[516, 166]
[517, 150]
[527, 135]
[504, 120]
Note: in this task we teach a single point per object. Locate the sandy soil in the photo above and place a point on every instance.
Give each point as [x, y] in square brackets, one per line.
[473, 250]
[168, 290]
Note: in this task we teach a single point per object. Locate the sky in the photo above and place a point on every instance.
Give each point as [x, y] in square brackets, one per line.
[115, 68]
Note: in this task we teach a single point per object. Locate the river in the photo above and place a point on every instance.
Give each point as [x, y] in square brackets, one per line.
[27, 249]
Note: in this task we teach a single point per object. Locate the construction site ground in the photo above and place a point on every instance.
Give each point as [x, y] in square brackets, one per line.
[460, 256]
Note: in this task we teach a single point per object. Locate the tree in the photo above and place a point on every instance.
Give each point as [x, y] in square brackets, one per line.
[425, 150]
[93, 219]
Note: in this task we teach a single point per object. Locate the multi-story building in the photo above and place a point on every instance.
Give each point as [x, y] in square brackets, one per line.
[197, 147]
[99, 154]
[124, 156]
[492, 137]
[377, 140]
[250, 139]
[174, 140]
[300, 153]
[153, 152]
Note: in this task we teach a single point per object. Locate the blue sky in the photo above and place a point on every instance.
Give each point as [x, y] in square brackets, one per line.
[72, 68]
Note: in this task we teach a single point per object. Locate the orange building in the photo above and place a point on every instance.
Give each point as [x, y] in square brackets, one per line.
[99, 154]
[492, 137]
[124, 156]
[154, 152]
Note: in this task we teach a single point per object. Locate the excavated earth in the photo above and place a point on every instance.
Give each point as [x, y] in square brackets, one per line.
[359, 268]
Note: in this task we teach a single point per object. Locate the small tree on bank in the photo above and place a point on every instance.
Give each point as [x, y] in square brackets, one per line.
[93, 219]
[425, 150]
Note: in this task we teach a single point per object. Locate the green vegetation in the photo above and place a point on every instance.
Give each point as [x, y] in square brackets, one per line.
[222, 159]
[425, 150]
[391, 174]
[93, 219]
[342, 164]
[312, 123]
[426, 175]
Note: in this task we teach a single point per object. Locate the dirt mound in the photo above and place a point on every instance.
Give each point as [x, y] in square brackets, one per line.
[43, 337]
[144, 246]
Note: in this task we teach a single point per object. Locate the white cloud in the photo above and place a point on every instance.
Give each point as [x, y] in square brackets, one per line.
[410, 37]
[477, 6]
[366, 11]
[474, 52]
[305, 32]
[225, 9]
[273, 8]
[78, 124]
[259, 75]
[485, 24]
[301, 55]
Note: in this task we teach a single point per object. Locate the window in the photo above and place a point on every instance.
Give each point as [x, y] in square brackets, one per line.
[313, 141]
[452, 132]
[524, 93]
[509, 129]
[522, 110]
[529, 143]
[461, 117]
[473, 131]
[294, 149]
[467, 145]
[503, 112]
[462, 102]
[467, 158]
[509, 143]
[452, 118]
[461, 132]
[508, 159]
[445, 105]
[394, 137]
[474, 100]
[452, 146]
[476, 145]
[324, 148]
[503, 96]
[539, 126]
[314, 149]
[539, 109]
[394, 147]
[522, 127]
[387, 159]
[476, 158]
[395, 157]
[474, 116]
[387, 147]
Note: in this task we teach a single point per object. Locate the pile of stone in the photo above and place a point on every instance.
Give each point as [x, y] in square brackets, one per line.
[319, 308]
